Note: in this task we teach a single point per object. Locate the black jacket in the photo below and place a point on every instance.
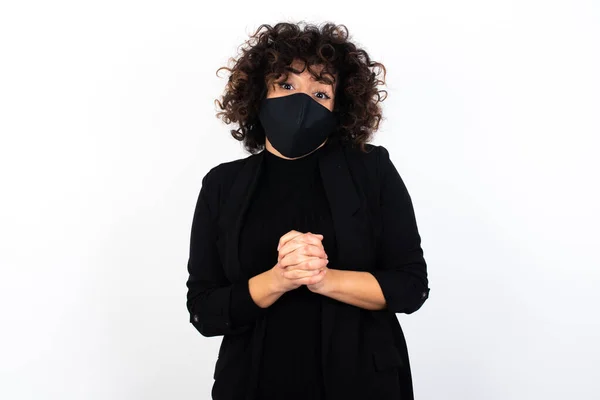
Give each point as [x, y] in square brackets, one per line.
[364, 352]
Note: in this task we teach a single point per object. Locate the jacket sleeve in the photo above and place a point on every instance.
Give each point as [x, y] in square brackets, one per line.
[216, 306]
[401, 269]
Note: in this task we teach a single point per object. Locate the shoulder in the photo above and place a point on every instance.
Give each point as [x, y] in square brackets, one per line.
[374, 156]
[225, 171]
[371, 151]
[217, 182]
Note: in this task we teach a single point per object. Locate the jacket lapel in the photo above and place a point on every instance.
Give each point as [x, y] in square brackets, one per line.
[231, 216]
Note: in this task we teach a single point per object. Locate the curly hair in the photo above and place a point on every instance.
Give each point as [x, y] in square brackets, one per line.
[267, 55]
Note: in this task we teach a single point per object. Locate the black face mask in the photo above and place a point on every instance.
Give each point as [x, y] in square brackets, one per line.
[296, 124]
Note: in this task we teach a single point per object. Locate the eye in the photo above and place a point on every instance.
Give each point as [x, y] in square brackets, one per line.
[284, 85]
[324, 94]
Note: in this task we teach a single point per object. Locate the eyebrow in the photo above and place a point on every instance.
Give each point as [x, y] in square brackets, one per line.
[323, 81]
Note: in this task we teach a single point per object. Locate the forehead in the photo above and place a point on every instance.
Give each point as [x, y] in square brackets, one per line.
[300, 68]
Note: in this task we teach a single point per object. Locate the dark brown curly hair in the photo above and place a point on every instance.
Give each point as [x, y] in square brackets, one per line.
[266, 57]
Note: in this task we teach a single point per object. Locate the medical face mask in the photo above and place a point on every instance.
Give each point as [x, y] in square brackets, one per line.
[296, 124]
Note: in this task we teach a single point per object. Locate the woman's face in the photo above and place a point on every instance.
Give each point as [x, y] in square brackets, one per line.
[304, 82]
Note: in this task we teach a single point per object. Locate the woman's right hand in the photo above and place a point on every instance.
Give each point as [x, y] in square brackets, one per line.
[312, 261]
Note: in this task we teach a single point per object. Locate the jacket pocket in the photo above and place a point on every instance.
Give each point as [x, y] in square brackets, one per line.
[386, 359]
[385, 377]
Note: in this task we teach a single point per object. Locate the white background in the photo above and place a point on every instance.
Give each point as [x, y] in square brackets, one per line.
[107, 127]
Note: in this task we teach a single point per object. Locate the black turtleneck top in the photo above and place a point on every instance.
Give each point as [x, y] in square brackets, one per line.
[289, 196]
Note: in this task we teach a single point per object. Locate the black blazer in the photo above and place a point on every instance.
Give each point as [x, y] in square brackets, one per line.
[364, 352]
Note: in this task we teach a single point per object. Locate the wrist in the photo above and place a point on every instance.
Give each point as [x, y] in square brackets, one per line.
[328, 284]
[274, 281]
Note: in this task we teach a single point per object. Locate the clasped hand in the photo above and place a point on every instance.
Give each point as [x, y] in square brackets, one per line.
[301, 261]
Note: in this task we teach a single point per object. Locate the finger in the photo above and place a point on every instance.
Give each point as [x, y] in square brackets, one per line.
[311, 280]
[301, 248]
[298, 241]
[308, 237]
[306, 250]
[300, 274]
[313, 238]
[300, 261]
[303, 263]
[295, 261]
[288, 236]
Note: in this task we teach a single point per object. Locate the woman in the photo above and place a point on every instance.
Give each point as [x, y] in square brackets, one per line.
[301, 254]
